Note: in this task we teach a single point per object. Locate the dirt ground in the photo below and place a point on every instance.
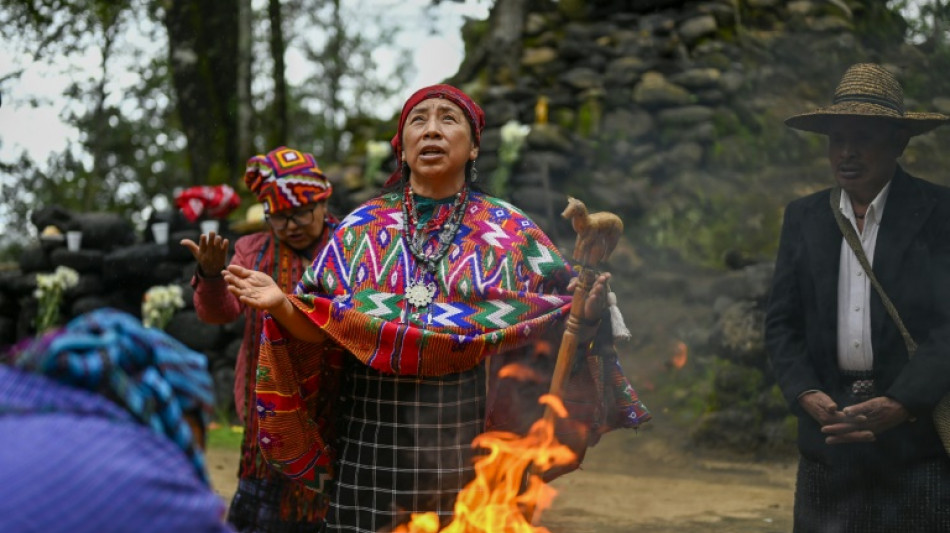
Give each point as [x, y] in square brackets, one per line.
[645, 482]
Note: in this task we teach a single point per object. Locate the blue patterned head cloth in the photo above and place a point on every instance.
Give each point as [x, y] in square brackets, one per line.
[144, 370]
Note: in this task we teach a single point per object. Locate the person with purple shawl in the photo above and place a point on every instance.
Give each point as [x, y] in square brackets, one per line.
[103, 423]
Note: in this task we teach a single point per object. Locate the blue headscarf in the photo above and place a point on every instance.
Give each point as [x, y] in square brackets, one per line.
[147, 372]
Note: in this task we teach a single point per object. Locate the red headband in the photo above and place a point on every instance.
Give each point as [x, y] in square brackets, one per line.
[475, 115]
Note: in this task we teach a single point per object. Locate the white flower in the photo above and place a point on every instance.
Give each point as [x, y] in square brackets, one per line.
[159, 305]
[513, 135]
[377, 150]
[513, 132]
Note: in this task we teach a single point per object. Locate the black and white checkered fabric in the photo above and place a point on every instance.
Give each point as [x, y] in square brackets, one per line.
[405, 447]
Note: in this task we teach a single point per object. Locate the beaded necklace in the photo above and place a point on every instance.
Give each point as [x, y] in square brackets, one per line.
[420, 293]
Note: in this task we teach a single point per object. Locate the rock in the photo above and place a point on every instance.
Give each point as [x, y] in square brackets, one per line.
[702, 133]
[105, 231]
[740, 334]
[533, 57]
[178, 253]
[697, 78]
[655, 91]
[546, 137]
[625, 71]
[553, 162]
[192, 332]
[83, 260]
[89, 302]
[7, 303]
[830, 24]
[696, 28]
[801, 8]
[7, 332]
[90, 283]
[34, 259]
[731, 81]
[535, 24]
[165, 273]
[941, 104]
[581, 78]
[52, 216]
[133, 263]
[17, 284]
[684, 117]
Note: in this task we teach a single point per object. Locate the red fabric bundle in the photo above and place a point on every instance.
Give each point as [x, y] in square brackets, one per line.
[216, 201]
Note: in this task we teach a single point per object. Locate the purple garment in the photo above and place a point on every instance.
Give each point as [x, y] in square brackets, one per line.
[72, 461]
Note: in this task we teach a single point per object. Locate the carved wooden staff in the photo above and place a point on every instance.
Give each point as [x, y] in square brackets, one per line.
[597, 236]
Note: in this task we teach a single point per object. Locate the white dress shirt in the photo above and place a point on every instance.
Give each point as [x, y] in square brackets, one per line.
[854, 289]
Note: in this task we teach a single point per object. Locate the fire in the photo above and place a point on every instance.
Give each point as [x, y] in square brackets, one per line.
[679, 356]
[498, 500]
[522, 373]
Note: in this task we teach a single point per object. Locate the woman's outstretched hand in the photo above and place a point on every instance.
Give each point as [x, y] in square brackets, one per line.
[253, 288]
[210, 252]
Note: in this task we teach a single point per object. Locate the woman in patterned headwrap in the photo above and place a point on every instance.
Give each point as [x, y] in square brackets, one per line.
[103, 425]
[294, 192]
[375, 375]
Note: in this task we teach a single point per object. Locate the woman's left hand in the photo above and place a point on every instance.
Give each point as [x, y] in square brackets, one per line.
[596, 301]
[254, 288]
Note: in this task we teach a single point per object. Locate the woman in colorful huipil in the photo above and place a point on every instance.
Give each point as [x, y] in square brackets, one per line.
[377, 373]
[294, 192]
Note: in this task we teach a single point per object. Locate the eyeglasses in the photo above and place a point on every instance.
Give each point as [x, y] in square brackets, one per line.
[300, 218]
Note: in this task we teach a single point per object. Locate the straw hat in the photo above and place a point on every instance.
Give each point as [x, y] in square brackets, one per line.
[867, 90]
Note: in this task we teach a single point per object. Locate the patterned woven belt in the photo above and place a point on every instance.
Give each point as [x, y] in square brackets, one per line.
[859, 385]
[862, 388]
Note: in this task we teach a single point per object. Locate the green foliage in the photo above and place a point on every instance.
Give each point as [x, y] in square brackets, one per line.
[703, 226]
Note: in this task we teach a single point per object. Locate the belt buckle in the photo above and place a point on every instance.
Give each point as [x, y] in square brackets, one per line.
[862, 388]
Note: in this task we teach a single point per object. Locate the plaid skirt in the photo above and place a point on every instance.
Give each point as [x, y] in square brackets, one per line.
[256, 508]
[404, 447]
[856, 498]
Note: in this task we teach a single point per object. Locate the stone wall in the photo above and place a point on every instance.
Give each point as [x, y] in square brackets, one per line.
[116, 267]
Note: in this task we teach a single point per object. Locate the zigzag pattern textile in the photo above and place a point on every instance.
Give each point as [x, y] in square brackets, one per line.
[500, 284]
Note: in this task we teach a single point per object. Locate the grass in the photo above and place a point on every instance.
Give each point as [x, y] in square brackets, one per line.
[224, 436]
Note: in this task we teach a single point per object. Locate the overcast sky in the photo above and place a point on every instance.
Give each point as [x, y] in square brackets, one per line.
[39, 130]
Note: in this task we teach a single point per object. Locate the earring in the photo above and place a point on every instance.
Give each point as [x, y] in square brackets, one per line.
[474, 172]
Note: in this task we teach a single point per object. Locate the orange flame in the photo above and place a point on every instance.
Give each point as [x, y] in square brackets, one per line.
[520, 373]
[498, 500]
[679, 357]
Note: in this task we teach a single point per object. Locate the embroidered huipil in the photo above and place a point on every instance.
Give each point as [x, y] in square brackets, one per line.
[500, 286]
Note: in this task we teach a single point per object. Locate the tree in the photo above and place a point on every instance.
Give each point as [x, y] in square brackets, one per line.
[499, 52]
[203, 52]
[128, 148]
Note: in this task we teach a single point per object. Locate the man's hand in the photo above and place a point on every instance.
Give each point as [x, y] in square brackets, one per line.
[864, 421]
[821, 407]
[255, 289]
[210, 252]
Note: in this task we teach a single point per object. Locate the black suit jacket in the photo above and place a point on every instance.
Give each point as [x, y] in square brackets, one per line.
[912, 262]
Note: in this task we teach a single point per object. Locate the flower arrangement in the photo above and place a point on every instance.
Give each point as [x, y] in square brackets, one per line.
[159, 305]
[49, 295]
[513, 135]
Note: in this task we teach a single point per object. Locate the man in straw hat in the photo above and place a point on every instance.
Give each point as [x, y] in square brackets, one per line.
[871, 458]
